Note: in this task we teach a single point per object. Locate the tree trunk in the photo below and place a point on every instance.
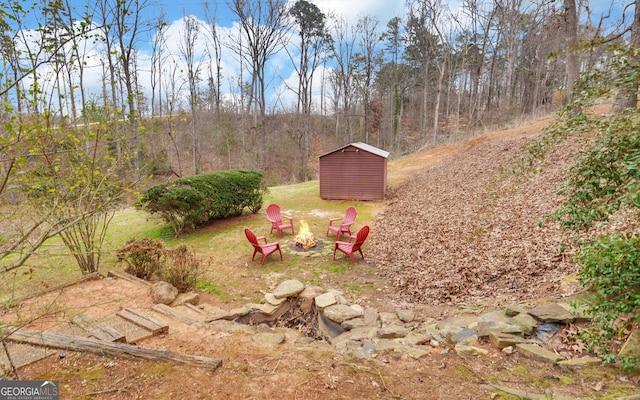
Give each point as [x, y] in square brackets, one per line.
[627, 97]
[571, 35]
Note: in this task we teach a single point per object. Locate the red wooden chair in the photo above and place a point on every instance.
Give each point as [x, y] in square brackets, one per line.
[349, 248]
[345, 225]
[264, 249]
[274, 216]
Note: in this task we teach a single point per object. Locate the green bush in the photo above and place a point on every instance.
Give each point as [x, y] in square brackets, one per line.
[601, 195]
[611, 269]
[194, 201]
[149, 259]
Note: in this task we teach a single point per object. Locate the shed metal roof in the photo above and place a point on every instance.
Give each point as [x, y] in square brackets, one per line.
[362, 146]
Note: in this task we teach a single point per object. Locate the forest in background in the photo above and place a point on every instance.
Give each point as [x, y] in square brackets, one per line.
[432, 76]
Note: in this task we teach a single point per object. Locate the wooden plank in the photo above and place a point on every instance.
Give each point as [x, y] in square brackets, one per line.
[128, 277]
[173, 313]
[138, 318]
[197, 309]
[105, 348]
[98, 329]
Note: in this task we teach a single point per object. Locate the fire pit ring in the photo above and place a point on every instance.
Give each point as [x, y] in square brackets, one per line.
[318, 247]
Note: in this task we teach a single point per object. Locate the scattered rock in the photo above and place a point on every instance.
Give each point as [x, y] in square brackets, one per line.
[362, 333]
[525, 321]
[269, 337]
[552, 312]
[393, 332]
[405, 315]
[632, 346]
[503, 340]
[288, 288]
[271, 299]
[580, 362]
[325, 300]
[186, 298]
[470, 351]
[163, 292]
[340, 313]
[537, 352]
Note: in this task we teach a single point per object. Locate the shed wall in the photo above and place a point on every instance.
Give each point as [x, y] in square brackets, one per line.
[353, 174]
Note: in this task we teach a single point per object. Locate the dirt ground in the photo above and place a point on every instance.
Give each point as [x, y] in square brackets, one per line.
[290, 370]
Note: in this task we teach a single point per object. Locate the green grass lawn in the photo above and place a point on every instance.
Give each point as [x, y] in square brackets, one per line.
[229, 271]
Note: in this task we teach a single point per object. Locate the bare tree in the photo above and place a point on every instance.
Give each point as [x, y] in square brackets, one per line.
[263, 25]
[216, 45]
[392, 74]
[187, 45]
[314, 42]
[367, 59]
[343, 51]
[421, 51]
[158, 58]
[128, 25]
[264, 30]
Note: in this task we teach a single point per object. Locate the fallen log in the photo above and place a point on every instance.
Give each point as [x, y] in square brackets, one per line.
[104, 348]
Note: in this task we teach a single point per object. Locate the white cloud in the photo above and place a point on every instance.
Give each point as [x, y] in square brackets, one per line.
[351, 10]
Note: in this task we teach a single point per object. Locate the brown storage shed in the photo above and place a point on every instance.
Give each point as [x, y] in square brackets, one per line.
[357, 171]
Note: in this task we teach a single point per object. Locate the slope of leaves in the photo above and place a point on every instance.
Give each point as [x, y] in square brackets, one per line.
[465, 231]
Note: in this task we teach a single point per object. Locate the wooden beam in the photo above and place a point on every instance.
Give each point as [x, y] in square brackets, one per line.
[128, 277]
[98, 329]
[105, 348]
[173, 313]
[156, 327]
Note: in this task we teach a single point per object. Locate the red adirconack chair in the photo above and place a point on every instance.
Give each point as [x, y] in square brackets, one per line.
[345, 225]
[273, 215]
[349, 248]
[264, 249]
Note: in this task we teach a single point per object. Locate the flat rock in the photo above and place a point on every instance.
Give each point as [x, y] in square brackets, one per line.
[325, 300]
[340, 312]
[537, 352]
[470, 351]
[269, 337]
[271, 299]
[393, 332]
[552, 312]
[580, 362]
[186, 298]
[502, 340]
[524, 321]
[288, 288]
